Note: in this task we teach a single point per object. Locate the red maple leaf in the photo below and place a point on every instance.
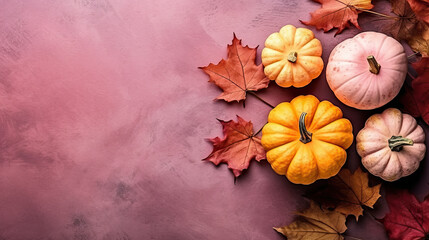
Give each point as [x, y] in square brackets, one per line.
[416, 99]
[408, 219]
[238, 147]
[420, 87]
[420, 8]
[337, 14]
[238, 74]
[409, 102]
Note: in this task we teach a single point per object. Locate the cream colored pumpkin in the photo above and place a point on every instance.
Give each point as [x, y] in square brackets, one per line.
[391, 144]
[292, 57]
[367, 71]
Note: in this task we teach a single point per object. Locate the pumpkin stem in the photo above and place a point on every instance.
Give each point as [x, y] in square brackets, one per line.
[397, 142]
[292, 56]
[374, 67]
[305, 135]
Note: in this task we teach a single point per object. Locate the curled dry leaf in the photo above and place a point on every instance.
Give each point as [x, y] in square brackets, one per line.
[238, 147]
[337, 14]
[238, 74]
[347, 192]
[408, 218]
[316, 223]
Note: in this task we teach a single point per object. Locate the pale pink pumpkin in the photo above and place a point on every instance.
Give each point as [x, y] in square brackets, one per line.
[367, 71]
[391, 144]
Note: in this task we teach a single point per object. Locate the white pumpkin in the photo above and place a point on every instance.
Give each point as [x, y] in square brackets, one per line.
[391, 144]
[367, 71]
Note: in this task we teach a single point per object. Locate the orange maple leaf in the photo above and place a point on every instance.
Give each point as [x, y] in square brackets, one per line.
[238, 147]
[238, 74]
[337, 14]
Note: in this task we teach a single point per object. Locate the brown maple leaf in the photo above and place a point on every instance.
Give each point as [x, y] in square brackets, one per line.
[347, 193]
[404, 22]
[421, 8]
[337, 14]
[419, 39]
[238, 147]
[238, 74]
[316, 223]
[407, 26]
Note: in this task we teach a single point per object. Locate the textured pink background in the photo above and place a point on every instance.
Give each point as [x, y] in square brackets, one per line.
[104, 113]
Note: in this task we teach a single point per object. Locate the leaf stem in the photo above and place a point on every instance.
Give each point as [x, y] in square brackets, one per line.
[351, 237]
[259, 130]
[376, 13]
[411, 76]
[260, 99]
[413, 55]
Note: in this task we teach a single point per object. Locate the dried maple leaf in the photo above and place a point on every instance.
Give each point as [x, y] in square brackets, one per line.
[404, 22]
[408, 219]
[407, 26]
[337, 14]
[407, 99]
[419, 39]
[421, 8]
[416, 98]
[238, 146]
[347, 193]
[316, 223]
[420, 87]
[238, 74]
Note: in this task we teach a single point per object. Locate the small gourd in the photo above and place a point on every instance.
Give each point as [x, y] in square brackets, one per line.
[292, 57]
[306, 139]
[367, 71]
[391, 144]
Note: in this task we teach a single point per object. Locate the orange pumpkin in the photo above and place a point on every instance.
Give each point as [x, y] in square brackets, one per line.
[292, 57]
[305, 139]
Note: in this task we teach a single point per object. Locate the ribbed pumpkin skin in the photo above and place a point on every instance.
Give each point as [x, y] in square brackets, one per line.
[348, 75]
[308, 65]
[372, 145]
[304, 163]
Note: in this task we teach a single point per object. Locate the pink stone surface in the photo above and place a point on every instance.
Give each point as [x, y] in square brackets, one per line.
[104, 115]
